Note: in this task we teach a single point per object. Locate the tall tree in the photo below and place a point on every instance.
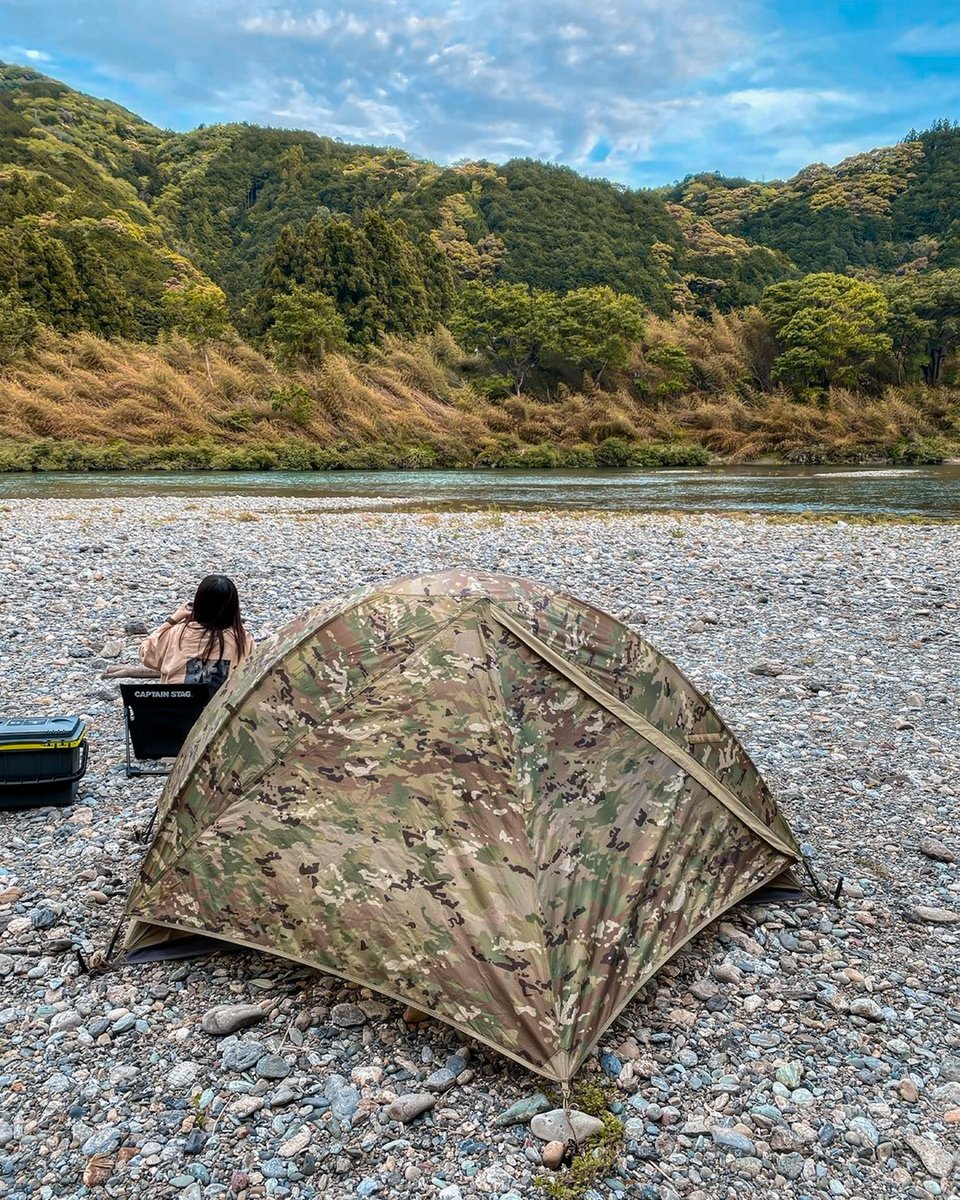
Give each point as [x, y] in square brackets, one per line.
[508, 323]
[925, 322]
[594, 328]
[306, 327]
[199, 312]
[18, 327]
[829, 328]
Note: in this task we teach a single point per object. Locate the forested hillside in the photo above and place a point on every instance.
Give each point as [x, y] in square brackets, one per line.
[688, 315]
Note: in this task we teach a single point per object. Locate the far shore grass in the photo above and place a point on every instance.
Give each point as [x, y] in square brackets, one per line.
[80, 403]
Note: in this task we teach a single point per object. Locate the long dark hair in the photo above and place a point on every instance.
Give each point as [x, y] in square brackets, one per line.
[216, 607]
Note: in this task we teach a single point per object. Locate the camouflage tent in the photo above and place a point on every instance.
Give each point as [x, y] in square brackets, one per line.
[474, 794]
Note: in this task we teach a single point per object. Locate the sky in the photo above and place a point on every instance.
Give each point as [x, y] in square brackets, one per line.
[643, 92]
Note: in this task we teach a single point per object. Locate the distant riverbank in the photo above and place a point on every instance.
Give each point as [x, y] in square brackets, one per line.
[82, 403]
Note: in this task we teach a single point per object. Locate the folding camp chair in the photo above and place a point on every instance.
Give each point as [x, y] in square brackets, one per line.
[157, 718]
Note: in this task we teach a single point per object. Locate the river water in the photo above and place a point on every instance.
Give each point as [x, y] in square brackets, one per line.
[930, 492]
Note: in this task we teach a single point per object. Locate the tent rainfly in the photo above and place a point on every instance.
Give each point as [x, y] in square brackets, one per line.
[475, 794]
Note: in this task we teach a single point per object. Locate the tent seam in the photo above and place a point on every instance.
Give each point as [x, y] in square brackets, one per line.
[649, 732]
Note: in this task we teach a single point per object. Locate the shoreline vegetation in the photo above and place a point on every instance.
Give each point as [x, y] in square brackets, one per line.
[80, 402]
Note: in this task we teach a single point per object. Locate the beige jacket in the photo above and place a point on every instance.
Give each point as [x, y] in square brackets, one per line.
[176, 651]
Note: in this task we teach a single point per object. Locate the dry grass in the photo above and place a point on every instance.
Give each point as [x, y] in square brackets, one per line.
[413, 393]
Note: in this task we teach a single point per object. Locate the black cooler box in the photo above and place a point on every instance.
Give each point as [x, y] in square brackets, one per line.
[41, 760]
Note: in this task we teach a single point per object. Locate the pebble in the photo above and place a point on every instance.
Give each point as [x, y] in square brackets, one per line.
[346, 1016]
[937, 850]
[241, 1056]
[552, 1154]
[294, 1145]
[407, 1108]
[228, 1018]
[440, 1081]
[272, 1066]
[343, 1096]
[869, 1009]
[521, 1112]
[938, 1161]
[936, 916]
[564, 1126]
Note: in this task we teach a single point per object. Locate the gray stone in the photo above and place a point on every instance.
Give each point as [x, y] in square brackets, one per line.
[521, 1112]
[196, 1140]
[789, 1074]
[564, 1126]
[729, 1139]
[343, 1097]
[866, 1008]
[274, 1168]
[936, 1160]
[346, 1016]
[182, 1075]
[440, 1081]
[65, 1022]
[103, 1141]
[44, 917]
[936, 916]
[407, 1108]
[868, 1132]
[241, 1056]
[228, 1018]
[935, 849]
[790, 1165]
[272, 1066]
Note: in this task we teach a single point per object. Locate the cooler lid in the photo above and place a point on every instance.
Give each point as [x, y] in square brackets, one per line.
[41, 733]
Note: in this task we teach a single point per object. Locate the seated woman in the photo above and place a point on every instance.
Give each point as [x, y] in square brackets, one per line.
[201, 640]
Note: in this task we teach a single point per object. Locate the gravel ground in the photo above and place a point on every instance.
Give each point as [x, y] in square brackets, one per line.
[794, 1051]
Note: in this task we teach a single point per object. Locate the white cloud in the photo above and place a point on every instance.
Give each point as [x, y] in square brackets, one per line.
[34, 56]
[285, 24]
[930, 40]
[763, 110]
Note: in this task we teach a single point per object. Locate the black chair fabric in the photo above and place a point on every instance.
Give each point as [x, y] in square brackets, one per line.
[160, 715]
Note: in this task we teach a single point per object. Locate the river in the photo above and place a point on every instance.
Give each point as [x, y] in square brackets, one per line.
[930, 492]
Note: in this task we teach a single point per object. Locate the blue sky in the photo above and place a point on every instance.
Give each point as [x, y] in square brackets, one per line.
[640, 91]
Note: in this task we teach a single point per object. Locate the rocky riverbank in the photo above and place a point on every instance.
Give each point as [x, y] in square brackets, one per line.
[792, 1051]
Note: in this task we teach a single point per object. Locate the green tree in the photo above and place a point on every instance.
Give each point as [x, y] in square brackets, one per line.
[675, 368]
[829, 328]
[18, 327]
[470, 258]
[306, 327]
[594, 328]
[199, 312]
[508, 323]
[379, 278]
[925, 322]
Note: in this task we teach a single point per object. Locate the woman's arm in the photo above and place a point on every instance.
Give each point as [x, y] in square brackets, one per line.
[152, 648]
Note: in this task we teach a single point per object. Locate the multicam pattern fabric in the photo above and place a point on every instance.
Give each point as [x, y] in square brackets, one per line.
[472, 794]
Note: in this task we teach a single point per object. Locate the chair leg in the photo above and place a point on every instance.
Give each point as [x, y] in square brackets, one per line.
[131, 769]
